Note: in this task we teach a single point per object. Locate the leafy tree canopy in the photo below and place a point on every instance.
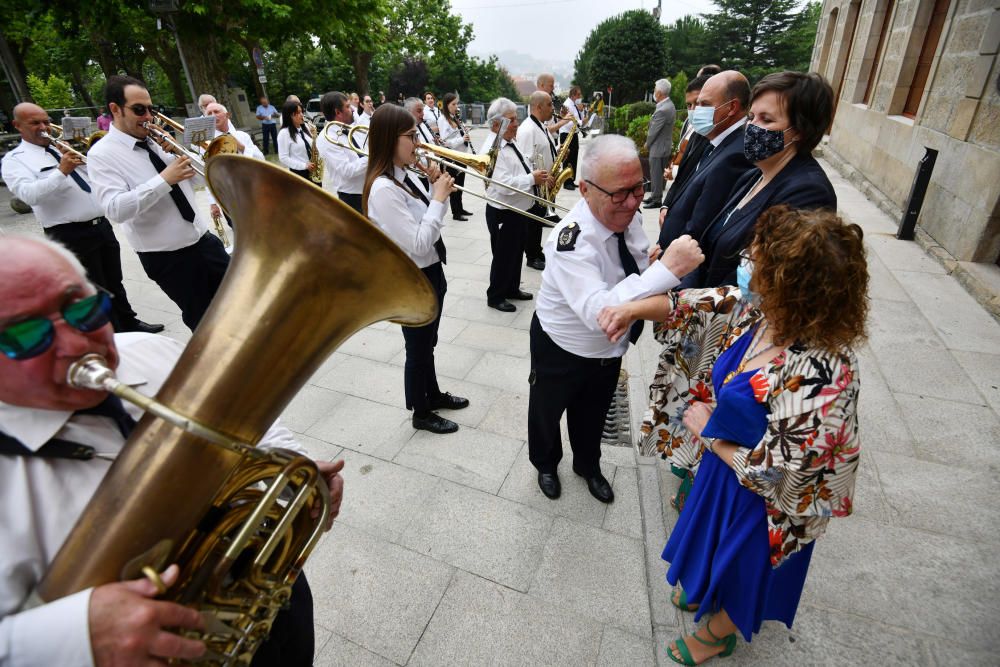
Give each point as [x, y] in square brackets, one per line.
[627, 52]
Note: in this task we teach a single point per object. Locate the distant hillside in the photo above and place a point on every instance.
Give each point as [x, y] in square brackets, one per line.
[523, 64]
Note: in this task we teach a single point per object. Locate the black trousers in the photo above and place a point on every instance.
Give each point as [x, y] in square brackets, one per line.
[270, 130]
[304, 173]
[352, 200]
[455, 198]
[292, 641]
[533, 234]
[506, 241]
[189, 276]
[419, 377]
[561, 381]
[95, 245]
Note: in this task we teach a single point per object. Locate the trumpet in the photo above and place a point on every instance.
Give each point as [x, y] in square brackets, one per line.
[220, 229]
[224, 143]
[68, 148]
[64, 147]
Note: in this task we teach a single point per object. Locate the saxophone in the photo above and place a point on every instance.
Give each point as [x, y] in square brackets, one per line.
[316, 173]
[561, 175]
[189, 486]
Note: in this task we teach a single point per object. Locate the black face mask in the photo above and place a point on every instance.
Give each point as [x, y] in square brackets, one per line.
[760, 143]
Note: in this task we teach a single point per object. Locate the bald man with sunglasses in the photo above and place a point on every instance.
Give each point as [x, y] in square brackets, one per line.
[56, 444]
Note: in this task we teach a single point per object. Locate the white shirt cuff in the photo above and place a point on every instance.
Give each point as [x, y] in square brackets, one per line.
[57, 633]
[659, 279]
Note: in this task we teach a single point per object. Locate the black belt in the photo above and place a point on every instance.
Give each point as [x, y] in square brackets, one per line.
[83, 223]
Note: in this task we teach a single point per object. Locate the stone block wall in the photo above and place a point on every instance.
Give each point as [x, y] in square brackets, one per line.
[959, 114]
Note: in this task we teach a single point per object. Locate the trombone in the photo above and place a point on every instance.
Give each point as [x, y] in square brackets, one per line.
[224, 143]
[477, 159]
[68, 148]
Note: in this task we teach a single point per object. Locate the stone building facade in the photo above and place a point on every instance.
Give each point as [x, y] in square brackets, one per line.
[911, 75]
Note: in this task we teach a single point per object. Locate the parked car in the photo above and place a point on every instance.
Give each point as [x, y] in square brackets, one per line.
[313, 114]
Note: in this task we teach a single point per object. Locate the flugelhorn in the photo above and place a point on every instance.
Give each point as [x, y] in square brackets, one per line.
[222, 144]
[237, 519]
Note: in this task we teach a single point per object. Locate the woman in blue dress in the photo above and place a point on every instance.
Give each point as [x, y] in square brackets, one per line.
[781, 439]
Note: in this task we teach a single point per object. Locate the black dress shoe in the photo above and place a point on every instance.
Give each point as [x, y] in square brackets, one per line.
[503, 306]
[548, 482]
[652, 204]
[446, 401]
[538, 264]
[143, 327]
[599, 487]
[459, 216]
[520, 295]
[569, 185]
[434, 423]
[464, 212]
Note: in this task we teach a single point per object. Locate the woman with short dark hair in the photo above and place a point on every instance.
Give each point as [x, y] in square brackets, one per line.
[781, 439]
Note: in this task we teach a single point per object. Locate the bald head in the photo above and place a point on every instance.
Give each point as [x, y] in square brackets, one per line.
[729, 94]
[32, 123]
[541, 105]
[546, 82]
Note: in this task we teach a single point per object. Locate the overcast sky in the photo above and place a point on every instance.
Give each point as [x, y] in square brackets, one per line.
[553, 30]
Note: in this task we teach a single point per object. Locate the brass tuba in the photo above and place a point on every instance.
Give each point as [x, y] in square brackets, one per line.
[237, 519]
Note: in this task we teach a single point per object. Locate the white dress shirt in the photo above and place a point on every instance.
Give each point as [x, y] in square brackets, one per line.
[249, 150]
[452, 137]
[33, 176]
[413, 225]
[729, 130]
[133, 194]
[346, 168]
[578, 283]
[536, 144]
[295, 154]
[41, 499]
[432, 116]
[510, 170]
[363, 118]
[570, 109]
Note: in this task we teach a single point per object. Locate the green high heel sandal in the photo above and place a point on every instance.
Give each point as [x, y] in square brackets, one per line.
[687, 480]
[681, 602]
[729, 642]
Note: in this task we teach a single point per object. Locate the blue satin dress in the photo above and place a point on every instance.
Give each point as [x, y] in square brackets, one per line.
[719, 550]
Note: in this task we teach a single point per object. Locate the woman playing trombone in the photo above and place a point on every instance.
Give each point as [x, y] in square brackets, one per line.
[396, 202]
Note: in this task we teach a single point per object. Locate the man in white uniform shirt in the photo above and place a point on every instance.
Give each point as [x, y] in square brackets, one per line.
[538, 148]
[346, 167]
[592, 260]
[570, 110]
[432, 115]
[245, 146]
[56, 444]
[57, 186]
[547, 84]
[149, 193]
[507, 225]
[424, 133]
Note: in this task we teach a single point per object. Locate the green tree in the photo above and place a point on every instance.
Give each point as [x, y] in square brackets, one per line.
[51, 93]
[751, 35]
[678, 84]
[795, 51]
[688, 45]
[627, 52]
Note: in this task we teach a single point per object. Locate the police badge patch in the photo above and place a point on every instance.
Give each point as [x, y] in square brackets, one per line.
[567, 237]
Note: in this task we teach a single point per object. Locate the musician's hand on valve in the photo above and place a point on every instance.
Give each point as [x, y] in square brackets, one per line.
[540, 176]
[127, 626]
[330, 470]
[682, 256]
[215, 210]
[310, 165]
[443, 186]
[433, 171]
[178, 170]
[69, 162]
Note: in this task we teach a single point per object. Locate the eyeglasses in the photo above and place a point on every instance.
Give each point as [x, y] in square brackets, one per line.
[142, 109]
[621, 196]
[30, 338]
[411, 135]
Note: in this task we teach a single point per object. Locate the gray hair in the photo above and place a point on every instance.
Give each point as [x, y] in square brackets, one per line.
[201, 100]
[54, 246]
[411, 103]
[607, 150]
[500, 107]
[662, 86]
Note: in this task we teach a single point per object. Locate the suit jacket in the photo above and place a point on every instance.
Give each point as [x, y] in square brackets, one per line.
[692, 155]
[707, 190]
[800, 184]
[660, 138]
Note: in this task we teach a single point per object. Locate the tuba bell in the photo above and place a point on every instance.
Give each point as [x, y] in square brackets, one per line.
[237, 519]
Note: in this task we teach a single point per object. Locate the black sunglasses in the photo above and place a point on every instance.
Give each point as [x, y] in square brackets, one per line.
[142, 109]
[620, 196]
[30, 338]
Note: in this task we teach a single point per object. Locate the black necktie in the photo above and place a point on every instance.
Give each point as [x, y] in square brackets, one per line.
[704, 156]
[628, 263]
[527, 170]
[112, 408]
[182, 203]
[439, 244]
[75, 176]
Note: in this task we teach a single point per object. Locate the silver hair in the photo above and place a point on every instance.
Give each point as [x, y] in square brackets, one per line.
[55, 247]
[203, 96]
[662, 86]
[610, 150]
[411, 103]
[500, 107]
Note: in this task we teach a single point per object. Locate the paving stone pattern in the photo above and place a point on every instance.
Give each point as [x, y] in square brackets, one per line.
[446, 553]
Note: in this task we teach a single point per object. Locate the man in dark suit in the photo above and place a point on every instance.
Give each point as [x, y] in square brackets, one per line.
[660, 139]
[692, 145]
[719, 115]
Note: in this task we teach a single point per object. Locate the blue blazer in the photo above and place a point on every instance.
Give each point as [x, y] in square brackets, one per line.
[800, 184]
[706, 191]
[686, 169]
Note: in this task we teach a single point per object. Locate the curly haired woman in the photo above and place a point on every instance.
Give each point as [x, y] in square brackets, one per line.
[782, 446]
